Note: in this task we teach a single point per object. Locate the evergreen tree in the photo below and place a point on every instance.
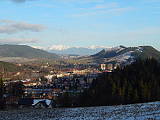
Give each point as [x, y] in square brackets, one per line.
[2, 101]
[16, 89]
[1, 88]
[138, 82]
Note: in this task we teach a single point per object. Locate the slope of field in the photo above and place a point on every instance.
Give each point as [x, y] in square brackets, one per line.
[145, 111]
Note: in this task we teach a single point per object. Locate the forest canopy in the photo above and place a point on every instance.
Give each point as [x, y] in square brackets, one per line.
[135, 83]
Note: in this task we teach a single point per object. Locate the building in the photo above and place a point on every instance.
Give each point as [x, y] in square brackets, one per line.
[103, 66]
[110, 67]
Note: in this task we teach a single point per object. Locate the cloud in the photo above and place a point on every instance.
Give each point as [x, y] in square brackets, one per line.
[17, 40]
[6, 21]
[112, 8]
[108, 5]
[81, 1]
[43, 5]
[66, 1]
[114, 11]
[20, 1]
[152, 1]
[102, 6]
[10, 27]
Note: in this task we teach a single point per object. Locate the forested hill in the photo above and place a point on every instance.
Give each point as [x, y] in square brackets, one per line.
[24, 51]
[138, 82]
[125, 55]
[148, 52]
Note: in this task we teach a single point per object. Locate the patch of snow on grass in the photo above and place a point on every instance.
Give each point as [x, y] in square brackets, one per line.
[144, 111]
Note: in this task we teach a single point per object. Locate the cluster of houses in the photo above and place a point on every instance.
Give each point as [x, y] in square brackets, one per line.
[52, 87]
[41, 89]
[109, 67]
[41, 92]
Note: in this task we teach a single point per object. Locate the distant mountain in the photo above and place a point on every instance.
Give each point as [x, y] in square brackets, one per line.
[122, 54]
[81, 51]
[24, 52]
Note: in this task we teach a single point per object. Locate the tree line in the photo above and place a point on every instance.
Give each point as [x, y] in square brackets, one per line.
[135, 83]
[13, 89]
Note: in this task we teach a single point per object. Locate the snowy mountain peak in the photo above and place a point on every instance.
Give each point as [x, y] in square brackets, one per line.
[126, 55]
[117, 49]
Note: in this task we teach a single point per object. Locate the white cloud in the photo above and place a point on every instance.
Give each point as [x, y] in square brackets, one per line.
[17, 40]
[111, 8]
[9, 27]
[113, 11]
[102, 6]
[108, 5]
[152, 1]
[66, 1]
[6, 21]
[43, 5]
[81, 1]
[20, 1]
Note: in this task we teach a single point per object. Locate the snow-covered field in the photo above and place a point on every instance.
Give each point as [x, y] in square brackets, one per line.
[146, 111]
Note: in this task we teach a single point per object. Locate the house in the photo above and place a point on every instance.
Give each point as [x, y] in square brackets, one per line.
[103, 66]
[43, 103]
[36, 103]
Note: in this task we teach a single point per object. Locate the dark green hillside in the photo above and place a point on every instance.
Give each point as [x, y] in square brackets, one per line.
[8, 67]
[148, 52]
[119, 54]
[111, 53]
[24, 51]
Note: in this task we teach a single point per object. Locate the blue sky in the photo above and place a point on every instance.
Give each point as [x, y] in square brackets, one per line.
[47, 23]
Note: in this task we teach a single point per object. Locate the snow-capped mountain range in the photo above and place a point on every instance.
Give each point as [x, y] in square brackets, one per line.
[81, 51]
[102, 54]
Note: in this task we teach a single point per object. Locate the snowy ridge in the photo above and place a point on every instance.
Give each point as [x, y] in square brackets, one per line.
[121, 54]
[117, 49]
[123, 58]
[140, 49]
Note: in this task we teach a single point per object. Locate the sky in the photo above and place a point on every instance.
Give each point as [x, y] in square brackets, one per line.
[50, 24]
